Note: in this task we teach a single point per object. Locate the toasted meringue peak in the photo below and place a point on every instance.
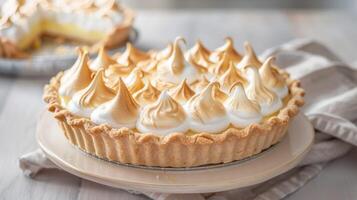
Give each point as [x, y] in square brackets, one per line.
[174, 69]
[207, 113]
[182, 93]
[95, 93]
[258, 92]
[272, 79]
[231, 76]
[201, 83]
[199, 55]
[242, 111]
[222, 65]
[176, 61]
[114, 72]
[228, 50]
[121, 111]
[250, 58]
[218, 93]
[134, 80]
[148, 66]
[77, 77]
[239, 102]
[132, 54]
[103, 60]
[164, 116]
[148, 94]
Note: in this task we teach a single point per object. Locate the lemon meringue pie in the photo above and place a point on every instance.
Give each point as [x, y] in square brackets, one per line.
[95, 22]
[175, 107]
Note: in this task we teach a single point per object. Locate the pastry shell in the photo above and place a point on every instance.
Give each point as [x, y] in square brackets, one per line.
[178, 149]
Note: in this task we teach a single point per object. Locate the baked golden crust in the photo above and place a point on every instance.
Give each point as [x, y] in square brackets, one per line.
[10, 50]
[174, 150]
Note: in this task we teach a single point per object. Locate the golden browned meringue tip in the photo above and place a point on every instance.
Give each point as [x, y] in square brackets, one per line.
[218, 93]
[199, 55]
[124, 107]
[134, 81]
[222, 65]
[231, 76]
[103, 60]
[148, 94]
[229, 50]
[96, 92]
[239, 101]
[256, 90]
[249, 58]
[77, 77]
[165, 113]
[201, 83]
[270, 76]
[132, 54]
[204, 106]
[175, 62]
[182, 93]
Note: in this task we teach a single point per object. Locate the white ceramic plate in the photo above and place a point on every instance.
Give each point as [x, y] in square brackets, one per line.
[277, 160]
[48, 60]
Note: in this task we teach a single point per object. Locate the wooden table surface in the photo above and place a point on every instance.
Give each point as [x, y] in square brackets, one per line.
[21, 104]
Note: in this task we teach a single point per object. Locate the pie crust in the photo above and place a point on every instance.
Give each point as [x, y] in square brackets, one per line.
[178, 149]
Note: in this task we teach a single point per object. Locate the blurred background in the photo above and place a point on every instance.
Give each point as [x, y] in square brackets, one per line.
[244, 4]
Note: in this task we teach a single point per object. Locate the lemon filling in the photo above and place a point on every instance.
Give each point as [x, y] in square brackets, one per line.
[71, 31]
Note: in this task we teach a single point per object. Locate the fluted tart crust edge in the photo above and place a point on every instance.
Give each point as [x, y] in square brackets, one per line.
[174, 150]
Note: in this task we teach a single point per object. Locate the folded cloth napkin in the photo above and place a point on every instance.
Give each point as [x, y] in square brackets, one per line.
[331, 106]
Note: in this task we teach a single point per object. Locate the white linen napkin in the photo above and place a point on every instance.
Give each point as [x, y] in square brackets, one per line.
[331, 106]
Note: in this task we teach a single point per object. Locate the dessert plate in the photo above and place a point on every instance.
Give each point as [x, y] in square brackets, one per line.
[268, 164]
[49, 60]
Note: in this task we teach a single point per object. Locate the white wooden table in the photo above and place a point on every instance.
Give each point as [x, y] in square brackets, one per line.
[21, 104]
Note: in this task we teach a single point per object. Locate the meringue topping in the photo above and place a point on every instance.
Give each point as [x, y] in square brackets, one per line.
[148, 94]
[182, 93]
[163, 117]
[75, 78]
[200, 101]
[206, 112]
[218, 93]
[231, 76]
[95, 93]
[174, 69]
[175, 62]
[199, 55]
[222, 65]
[226, 50]
[115, 71]
[103, 60]
[201, 83]
[239, 101]
[272, 78]
[250, 58]
[134, 80]
[242, 110]
[132, 54]
[258, 92]
[121, 111]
